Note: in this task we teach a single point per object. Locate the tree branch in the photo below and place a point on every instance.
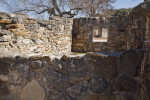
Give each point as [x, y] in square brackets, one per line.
[72, 14]
[54, 2]
[32, 10]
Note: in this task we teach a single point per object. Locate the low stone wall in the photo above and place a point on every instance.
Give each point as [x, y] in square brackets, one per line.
[24, 35]
[83, 30]
[92, 76]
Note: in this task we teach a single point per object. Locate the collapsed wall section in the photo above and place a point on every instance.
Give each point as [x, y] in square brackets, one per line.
[24, 35]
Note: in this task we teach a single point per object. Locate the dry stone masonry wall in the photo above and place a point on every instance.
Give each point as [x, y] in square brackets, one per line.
[21, 34]
[94, 76]
[24, 35]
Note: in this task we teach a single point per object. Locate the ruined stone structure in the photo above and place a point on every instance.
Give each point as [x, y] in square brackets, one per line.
[21, 34]
[91, 76]
[100, 34]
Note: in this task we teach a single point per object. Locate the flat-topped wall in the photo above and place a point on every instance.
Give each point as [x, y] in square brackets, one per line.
[21, 34]
[24, 35]
[100, 34]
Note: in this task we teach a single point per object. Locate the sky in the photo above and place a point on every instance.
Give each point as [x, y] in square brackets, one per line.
[126, 3]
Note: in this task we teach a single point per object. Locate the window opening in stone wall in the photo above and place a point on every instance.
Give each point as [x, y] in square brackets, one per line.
[100, 35]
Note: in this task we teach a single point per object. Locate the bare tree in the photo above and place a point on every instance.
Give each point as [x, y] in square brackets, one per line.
[52, 7]
[93, 8]
[58, 7]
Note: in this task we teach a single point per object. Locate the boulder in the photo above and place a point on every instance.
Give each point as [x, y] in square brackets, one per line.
[32, 91]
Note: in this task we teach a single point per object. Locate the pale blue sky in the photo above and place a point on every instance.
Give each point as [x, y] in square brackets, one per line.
[126, 3]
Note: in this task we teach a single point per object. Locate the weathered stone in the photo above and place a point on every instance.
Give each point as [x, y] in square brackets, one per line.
[32, 91]
[21, 33]
[4, 78]
[20, 14]
[4, 15]
[2, 99]
[126, 84]
[2, 39]
[30, 22]
[100, 65]
[6, 38]
[78, 92]
[6, 21]
[33, 48]
[55, 79]
[5, 32]
[27, 41]
[35, 64]
[43, 23]
[19, 72]
[57, 95]
[98, 85]
[4, 68]
[22, 67]
[104, 97]
[4, 91]
[38, 41]
[78, 80]
[18, 19]
[80, 44]
[130, 62]
[20, 26]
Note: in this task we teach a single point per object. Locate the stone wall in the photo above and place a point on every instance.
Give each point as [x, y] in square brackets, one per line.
[116, 40]
[24, 35]
[94, 76]
[91, 76]
[139, 37]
